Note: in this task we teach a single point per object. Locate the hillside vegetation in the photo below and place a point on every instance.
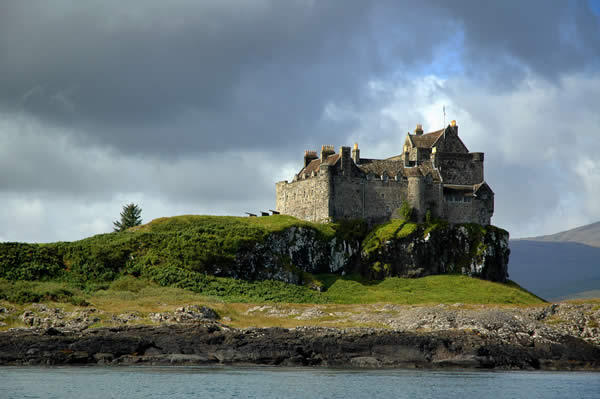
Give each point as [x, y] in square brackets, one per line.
[184, 252]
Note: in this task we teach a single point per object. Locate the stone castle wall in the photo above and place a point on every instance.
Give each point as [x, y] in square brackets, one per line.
[460, 168]
[324, 197]
[306, 199]
[434, 198]
[375, 200]
[477, 211]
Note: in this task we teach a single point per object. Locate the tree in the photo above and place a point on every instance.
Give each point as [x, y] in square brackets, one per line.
[129, 217]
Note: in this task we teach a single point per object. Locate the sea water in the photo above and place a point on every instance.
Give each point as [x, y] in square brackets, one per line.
[288, 383]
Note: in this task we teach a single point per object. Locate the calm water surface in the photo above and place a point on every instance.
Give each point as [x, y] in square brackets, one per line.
[288, 383]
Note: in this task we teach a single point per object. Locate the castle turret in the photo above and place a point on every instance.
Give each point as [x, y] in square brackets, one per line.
[356, 154]
[324, 203]
[416, 195]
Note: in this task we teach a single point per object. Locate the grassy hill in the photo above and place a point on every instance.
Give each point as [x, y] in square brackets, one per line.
[177, 253]
[339, 290]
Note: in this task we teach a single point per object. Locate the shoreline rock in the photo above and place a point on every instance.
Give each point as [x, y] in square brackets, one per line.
[211, 343]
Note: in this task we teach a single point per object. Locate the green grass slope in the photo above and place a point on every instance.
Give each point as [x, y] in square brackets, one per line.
[173, 252]
[340, 290]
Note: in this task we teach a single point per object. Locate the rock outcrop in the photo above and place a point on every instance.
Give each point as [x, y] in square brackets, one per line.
[552, 337]
[288, 254]
[466, 249]
[212, 343]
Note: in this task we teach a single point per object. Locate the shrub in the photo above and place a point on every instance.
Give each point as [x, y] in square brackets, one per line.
[405, 211]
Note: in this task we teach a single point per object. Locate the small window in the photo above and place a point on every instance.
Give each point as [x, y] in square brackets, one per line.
[382, 195]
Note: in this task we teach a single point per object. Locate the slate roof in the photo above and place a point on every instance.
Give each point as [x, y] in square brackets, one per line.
[426, 140]
[378, 166]
[396, 167]
[315, 164]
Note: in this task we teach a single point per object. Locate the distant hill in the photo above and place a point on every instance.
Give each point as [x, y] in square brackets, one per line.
[560, 266]
[589, 235]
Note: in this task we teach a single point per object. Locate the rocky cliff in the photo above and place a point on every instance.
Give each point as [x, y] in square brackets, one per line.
[418, 250]
[468, 249]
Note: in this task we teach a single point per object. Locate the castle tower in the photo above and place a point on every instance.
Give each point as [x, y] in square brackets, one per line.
[325, 200]
[416, 195]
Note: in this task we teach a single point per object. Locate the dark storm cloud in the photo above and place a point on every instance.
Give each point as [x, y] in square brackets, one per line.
[199, 106]
[184, 76]
[505, 39]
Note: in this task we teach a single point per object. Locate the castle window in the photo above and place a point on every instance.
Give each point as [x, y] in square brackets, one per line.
[457, 198]
[382, 195]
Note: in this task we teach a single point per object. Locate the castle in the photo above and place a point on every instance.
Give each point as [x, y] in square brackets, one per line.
[435, 174]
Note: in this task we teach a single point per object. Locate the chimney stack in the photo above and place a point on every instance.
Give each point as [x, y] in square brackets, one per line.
[419, 130]
[434, 157]
[356, 154]
[454, 126]
[326, 150]
[309, 156]
[346, 162]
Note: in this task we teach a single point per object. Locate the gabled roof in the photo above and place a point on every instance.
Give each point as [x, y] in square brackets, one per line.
[425, 140]
[482, 186]
[315, 164]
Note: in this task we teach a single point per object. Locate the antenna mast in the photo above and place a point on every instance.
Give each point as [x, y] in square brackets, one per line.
[444, 109]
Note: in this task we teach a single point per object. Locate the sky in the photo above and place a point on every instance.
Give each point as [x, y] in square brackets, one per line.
[199, 107]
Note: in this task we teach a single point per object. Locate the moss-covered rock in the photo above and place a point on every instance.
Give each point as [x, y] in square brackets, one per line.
[411, 250]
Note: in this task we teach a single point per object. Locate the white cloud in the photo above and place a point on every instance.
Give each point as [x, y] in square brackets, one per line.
[540, 141]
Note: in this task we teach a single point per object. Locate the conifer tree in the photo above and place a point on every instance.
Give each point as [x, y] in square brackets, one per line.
[129, 217]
